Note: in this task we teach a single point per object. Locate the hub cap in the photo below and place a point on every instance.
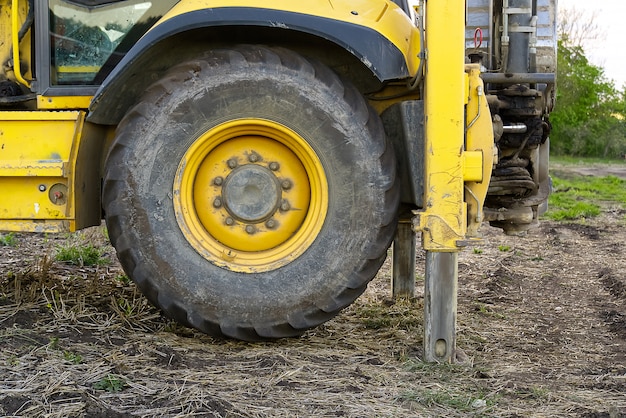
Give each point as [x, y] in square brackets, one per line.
[251, 193]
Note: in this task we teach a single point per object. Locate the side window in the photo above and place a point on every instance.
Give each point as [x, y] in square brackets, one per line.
[85, 37]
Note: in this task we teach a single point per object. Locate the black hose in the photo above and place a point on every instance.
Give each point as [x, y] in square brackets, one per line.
[30, 17]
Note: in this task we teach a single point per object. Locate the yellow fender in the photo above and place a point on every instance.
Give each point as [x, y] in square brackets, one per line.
[378, 34]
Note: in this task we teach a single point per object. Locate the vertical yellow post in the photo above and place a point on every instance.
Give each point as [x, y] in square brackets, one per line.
[444, 220]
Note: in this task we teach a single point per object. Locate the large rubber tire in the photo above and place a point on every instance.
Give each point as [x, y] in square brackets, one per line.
[160, 192]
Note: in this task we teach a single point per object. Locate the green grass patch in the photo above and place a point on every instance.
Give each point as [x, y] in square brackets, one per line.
[110, 383]
[488, 310]
[581, 197]
[8, 240]
[81, 255]
[54, 343]
[123, 279]
[72, 357]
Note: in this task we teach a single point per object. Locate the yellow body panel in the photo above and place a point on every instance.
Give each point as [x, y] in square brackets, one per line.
[29, 144]
[383, 17]
[39, 156]
[63, 102]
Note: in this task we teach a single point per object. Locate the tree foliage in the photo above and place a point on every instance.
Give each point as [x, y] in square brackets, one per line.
[590, 114]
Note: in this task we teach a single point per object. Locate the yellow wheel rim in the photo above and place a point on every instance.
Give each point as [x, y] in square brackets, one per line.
[250, 195]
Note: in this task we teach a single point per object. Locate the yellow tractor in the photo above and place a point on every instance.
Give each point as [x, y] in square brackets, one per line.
[254, 160]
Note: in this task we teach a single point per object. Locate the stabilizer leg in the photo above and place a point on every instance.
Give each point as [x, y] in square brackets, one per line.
[403, 266]
[440, 304]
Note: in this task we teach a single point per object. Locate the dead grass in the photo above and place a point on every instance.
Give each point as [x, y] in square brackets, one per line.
[543, 325]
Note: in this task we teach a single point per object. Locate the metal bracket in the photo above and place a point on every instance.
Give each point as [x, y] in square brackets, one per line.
[479, 140]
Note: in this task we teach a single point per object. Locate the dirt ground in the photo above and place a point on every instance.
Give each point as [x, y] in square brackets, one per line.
[599, 169]
[542, 320]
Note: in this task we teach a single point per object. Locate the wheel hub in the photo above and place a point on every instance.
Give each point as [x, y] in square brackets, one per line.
[251, 193]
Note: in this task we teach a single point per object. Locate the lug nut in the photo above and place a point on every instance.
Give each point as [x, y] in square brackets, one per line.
[229, 221]
[218, 181]
[250, 229]
[285, 206]
[232, 163]
[270, 224]
[286, 184]
[253, 158]
[274, 166]
[217, 203]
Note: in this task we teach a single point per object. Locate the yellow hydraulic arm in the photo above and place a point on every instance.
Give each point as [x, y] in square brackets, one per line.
[443, 220]
[458, 158]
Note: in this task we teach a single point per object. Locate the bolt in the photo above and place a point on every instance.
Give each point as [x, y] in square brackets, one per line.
[274, 166]
[253, 158]
[286, 184]
[42, 187]
[285, 206]
[229, 221]
[250, 229]
[270, 224]
[217, 203]
[218, 181]
[232, 163]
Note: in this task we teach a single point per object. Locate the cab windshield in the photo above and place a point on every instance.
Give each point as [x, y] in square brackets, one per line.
[87, 41]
